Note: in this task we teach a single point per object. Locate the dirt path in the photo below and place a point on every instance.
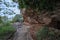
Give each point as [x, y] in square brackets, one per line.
[22, 32]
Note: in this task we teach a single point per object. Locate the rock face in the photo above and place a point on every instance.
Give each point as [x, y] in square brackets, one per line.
[35, 21]
[33, 17]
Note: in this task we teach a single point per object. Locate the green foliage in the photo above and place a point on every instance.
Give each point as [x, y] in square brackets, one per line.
[5, 27]
[52, 35]
[0, 19]
[38, 4]
[18, 18]
[46, 33]
[3, 19]
[42, 33]
[5, 30]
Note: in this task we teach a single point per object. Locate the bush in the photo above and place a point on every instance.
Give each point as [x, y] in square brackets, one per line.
[18, 18]
[46, 33]
[0, 19]
[6, 30]
[42, 33]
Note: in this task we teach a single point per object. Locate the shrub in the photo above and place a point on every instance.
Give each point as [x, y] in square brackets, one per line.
[45, 33]
[18, 18]
[6, 30]
[42, 33]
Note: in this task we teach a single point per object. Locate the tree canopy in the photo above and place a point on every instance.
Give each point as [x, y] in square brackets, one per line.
[18, 18]
[38, 4]
[4, 7]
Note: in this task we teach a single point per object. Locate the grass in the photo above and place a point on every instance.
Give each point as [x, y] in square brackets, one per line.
[6, 30]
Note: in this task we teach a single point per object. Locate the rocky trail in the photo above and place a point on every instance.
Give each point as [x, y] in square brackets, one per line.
[22, 32]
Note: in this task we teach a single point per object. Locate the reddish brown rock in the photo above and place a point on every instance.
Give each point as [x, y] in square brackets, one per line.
[34, 20]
